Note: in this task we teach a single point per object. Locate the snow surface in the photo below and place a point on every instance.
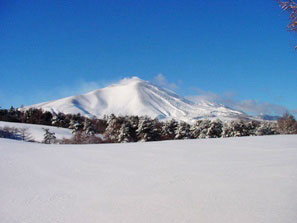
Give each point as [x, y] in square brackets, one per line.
[246, 180]
[37, 132]
[133, 96]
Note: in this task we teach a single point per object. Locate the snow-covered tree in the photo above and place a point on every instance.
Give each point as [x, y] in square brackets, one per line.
[168, 129]
[251, 127]
[204, 126]
[113, 128]
[235, 128]
[88, 128]
[148, 129]
[215, 129]
[133, 120]
[266, 128]
[76, 123]
[182, 131]
[48, 137]
[59, 120]
[125, 133]
[195, 129]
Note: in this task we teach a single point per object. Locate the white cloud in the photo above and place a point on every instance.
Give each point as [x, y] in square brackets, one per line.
[161, 80]
[249, 106]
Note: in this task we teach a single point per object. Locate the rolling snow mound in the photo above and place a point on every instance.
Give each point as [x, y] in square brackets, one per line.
[133, 96]
[36, 132]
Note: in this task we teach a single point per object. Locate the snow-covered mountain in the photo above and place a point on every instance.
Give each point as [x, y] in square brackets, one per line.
[133, 96]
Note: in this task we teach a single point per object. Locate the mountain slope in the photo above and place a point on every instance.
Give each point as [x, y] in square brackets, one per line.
[133, 96]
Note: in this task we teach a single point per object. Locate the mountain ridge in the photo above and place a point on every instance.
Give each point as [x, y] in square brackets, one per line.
[134, 96]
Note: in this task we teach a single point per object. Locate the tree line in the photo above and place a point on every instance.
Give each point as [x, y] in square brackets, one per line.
[118, 129]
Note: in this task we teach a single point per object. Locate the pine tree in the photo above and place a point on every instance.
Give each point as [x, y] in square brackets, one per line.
[125, 133]
[252, 127]
[148, 129]
[237, 128]
[182, 131]
[215, 129]
[12, 114]
[88, 128]
[49, 137]
[266, 128]
[195, 129]
[59, 120]
[133, 121]
[76, 123]
[168, 130]
[204, 126]
[113, 128]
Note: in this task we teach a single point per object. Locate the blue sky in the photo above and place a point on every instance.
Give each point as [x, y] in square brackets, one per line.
[236, 52]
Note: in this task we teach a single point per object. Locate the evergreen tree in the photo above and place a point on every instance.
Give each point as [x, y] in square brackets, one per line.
[12, 114]
[168, 130]
[236, 128]
[125, 133]
[89, 128]
[148, 129]
[99, 125]
[215, 129]
[252, 127]
[49, 137]
[195, 129]
[59, 120]
[76, 123]
[266, 128]
[113, 128]
[182, 131]
[204, 126]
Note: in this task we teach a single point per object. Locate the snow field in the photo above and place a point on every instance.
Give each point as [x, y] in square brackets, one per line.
[246, 180]
[37, 132]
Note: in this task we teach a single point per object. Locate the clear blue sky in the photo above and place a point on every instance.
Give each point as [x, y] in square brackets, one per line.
[51, 49]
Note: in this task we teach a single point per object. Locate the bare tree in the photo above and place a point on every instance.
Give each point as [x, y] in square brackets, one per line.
[25, 134]
[291, 7]
[9, 132]
[82, 138]
[287, 124]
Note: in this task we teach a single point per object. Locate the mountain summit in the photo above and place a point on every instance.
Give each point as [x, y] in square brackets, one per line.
[133, 96]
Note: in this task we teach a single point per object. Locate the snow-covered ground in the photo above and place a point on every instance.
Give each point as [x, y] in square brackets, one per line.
[246, 180]
[36, 131]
